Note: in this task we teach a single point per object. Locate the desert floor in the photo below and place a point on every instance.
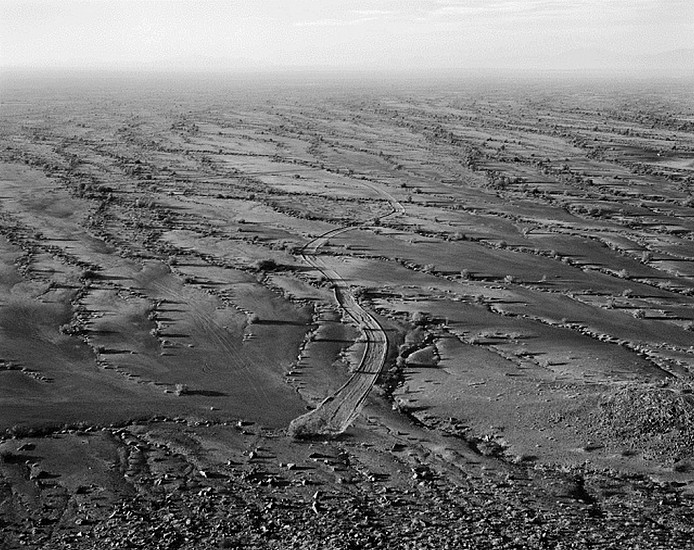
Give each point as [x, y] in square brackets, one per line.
[475, 295]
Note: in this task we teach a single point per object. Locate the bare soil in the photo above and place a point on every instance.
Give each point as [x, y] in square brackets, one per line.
[186, 267]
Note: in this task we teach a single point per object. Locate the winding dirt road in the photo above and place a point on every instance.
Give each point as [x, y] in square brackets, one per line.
[334, 415]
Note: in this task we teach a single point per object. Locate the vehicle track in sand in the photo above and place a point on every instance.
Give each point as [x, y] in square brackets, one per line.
[207, 329]
[335, 414]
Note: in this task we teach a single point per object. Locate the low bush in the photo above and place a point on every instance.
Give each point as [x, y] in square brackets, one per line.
[266, 264]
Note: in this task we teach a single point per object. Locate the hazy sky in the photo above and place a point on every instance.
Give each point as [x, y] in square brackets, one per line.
[332, 33]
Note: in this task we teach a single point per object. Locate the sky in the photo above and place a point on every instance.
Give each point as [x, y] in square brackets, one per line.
[337, 34]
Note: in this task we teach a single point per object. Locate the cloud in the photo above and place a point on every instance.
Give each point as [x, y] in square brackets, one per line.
[321, 23]
[332, 22]
[540, 8]
[372, 12]
[448, 8]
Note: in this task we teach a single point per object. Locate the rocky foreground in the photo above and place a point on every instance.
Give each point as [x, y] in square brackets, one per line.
[168, 484]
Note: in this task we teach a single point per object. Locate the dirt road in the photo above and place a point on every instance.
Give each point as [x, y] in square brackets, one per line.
[334, 415]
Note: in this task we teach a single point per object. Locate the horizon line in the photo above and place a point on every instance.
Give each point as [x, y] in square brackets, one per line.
[296, 69]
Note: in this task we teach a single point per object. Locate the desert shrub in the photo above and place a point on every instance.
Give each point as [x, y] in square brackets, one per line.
[67, 328]
[181, 389]
[266, 264]
[413, 338]
[90, 274]
[420, 318]
[683, 466]
[253, 318]
[20, 430]
[144, 203]
[360, 293]
[7, 456]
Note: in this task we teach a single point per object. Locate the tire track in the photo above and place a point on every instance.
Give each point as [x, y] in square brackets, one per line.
[335, 414]
[208, 329]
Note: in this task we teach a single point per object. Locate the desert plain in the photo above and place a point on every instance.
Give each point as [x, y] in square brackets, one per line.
[344, 312]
